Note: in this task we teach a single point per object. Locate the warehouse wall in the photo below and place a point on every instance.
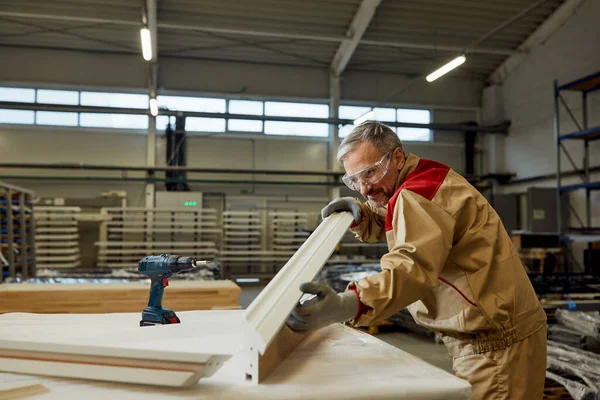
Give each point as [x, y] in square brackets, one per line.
[91, 146]
[455, 99]
[110, 71]
[570, 53]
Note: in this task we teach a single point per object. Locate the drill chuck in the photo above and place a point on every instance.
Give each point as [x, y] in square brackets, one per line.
[165, 264]
[182, 264]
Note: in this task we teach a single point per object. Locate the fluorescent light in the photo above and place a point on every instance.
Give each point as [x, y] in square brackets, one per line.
[146, 44]
[365, 117]
[153, 107]
[446, 68]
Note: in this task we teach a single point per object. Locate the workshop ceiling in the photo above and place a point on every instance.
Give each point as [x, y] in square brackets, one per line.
[404, 36]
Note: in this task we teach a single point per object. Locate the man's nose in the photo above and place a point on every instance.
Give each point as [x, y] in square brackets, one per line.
[364, 188]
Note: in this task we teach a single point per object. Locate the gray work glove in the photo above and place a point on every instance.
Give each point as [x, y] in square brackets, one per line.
[326, 308]
[343, 204]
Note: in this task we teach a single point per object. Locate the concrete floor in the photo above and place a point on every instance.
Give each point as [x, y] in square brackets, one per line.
[423, 347]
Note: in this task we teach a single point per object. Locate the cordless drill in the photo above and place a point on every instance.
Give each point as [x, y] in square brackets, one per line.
[160, 268]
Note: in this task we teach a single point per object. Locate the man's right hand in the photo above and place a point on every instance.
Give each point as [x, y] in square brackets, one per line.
[343, 204]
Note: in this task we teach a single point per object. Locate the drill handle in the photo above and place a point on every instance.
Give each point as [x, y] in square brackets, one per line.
[157, 288]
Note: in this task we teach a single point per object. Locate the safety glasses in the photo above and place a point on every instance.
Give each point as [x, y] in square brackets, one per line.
[369, 175]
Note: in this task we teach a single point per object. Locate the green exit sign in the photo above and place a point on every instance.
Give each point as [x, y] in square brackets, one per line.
[189, 204]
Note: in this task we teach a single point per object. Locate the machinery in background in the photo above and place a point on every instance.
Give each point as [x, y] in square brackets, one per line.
[176, 156]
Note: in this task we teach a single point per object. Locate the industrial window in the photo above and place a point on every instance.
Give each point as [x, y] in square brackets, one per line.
[350, 112]
[414, 116]
[385, 114]
[244, 125]
[126, 121]
[16, 116]
[57, 97]
[205, 124]
[200, 104]
[246, 107]
[345, 130]
[161, 123]
[124, 100]
[417, 116]
[276, 108]
[56, 118]
[296, 128]
[19, 95]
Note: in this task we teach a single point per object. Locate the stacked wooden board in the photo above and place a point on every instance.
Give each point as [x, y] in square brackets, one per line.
[96, 298]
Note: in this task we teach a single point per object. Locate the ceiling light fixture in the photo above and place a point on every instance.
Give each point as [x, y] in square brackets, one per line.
[446, 68]
[146, 43]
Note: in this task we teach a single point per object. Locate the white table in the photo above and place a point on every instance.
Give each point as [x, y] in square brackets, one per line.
[334, 363]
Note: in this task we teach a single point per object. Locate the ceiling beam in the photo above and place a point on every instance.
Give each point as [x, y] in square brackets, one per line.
[262, 33]
[537, 38]
[355, 32]
[523, 13]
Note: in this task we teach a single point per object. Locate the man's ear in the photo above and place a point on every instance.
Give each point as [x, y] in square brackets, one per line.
[398, 157]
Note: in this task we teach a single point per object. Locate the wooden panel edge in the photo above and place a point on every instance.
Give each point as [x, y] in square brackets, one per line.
[282, 345]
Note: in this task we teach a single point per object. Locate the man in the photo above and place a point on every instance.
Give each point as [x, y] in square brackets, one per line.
[450, 262]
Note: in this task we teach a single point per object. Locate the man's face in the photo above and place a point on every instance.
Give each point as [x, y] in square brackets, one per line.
[365, 155]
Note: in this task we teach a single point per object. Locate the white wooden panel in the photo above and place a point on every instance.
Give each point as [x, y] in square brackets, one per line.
[268, 312]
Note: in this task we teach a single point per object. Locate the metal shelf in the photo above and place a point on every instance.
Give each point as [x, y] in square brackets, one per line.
[590, 186]
[17, 226]
[586, 84]
[588, 134]
[581, 238]
[584, 135]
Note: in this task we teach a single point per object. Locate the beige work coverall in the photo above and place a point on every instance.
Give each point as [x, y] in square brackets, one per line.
[453, 265]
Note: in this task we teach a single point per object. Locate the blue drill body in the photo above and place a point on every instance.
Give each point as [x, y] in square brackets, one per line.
[159, 268]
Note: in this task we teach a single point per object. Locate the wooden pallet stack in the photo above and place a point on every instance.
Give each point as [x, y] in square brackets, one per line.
[351, 251]
[57, 236]
[244, 251]
[116, 297]
[132, 233]
[289, 231]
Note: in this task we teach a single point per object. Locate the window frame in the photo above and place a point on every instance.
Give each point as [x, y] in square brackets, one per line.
[264, 102]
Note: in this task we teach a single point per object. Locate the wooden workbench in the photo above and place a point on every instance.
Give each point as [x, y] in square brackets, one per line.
[336, 362]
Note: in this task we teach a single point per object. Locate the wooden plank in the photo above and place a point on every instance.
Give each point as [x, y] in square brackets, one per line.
[18, 391]
[101, 298]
